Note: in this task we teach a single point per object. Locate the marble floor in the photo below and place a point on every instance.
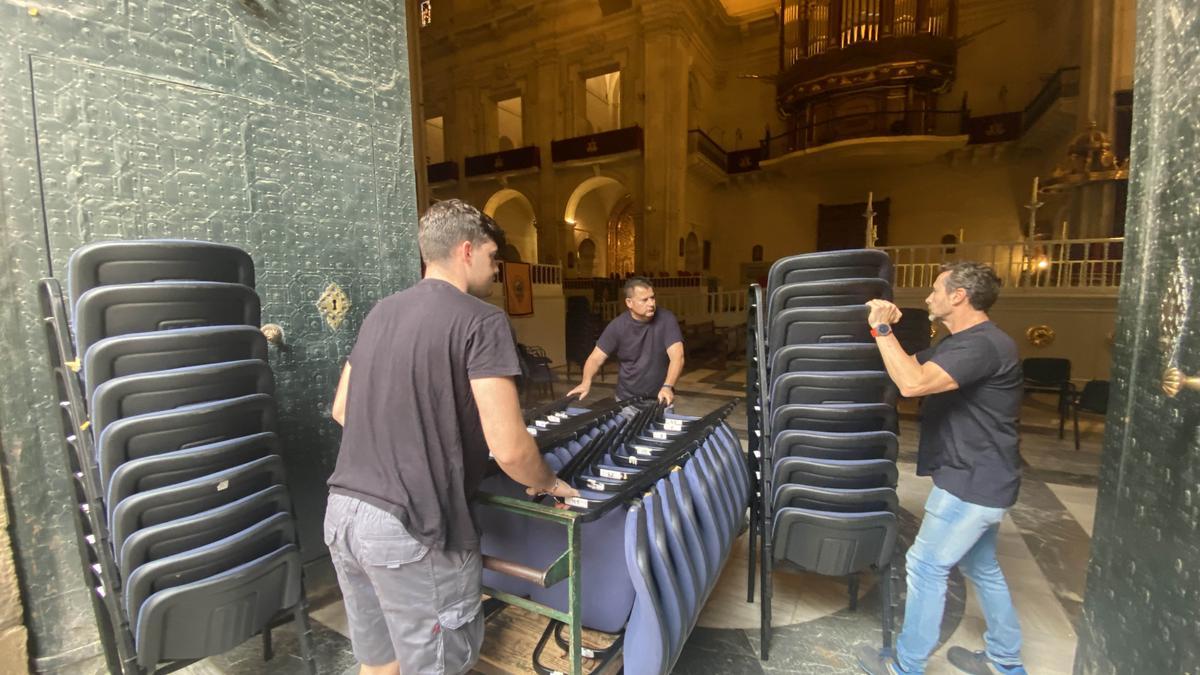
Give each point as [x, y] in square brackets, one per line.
[1043, 549]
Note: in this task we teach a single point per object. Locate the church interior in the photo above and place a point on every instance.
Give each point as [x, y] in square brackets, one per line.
[692, 142]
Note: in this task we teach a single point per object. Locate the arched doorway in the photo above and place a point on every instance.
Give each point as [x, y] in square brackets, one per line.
[691, 254]
[601, 209]
[513, 212]
[587, 258]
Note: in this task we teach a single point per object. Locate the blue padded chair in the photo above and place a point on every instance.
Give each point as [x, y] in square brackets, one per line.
[192, 621]
[170, 468]
[838, 418]
[164, 504]
[836, 500]
[181, 428]
[827, 388]
[108, 263]
[706, 564]
[823, 445]
[706, 516]
[857, 473]
[162, 390]
[108, 311]
[670, 593]
[190, 532]
[164, 350]
[647, 645]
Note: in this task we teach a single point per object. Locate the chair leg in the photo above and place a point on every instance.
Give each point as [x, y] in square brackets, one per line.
[753, 543]
[1075, 418]
[886, 591]
[1062, 414]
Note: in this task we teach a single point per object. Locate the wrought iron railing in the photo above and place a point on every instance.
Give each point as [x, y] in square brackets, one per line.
[702, 143]
[870, 124]
[1064, 82]
[1053, 264]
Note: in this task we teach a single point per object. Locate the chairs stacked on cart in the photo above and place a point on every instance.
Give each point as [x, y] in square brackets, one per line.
[823, 428]
[662, 498]
[187, 530]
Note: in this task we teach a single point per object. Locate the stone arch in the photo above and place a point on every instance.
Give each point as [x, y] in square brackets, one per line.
[587, 258]
[600, 208]
[514, 213]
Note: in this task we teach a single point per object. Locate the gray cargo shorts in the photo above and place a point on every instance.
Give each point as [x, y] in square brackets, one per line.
[404, 601]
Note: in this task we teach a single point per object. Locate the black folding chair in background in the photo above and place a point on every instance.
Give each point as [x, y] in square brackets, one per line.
[1050, 376]
[1093, 399]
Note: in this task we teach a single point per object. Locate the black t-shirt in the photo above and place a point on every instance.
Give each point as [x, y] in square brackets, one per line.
[413, 444]
[641, 347]
[969, 439]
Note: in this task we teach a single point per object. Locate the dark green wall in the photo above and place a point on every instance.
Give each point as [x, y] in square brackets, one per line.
[1142, 604]
[280, 126]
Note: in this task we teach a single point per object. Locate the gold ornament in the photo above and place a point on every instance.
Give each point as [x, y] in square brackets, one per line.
[334, 304]
[1040, 335]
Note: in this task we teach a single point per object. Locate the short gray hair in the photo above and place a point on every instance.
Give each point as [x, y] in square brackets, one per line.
[978, 280]
[451, 222]
[636, 282]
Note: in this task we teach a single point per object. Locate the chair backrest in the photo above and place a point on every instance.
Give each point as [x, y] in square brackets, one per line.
[835, 544]
[108, 263]
[188, 498]
[192, 621]
[827, 294]
[825, 358]
[107, 311]
[845, 474]
[822, 445]
[819, 325]
[169, 468]
[825, 388]
[836, 500]
[842, 418]
[182, 428]
[830, 265]
[190, 532]
[162, 390]
[1094, 397]
[647, 645]
[164, 350]
[1046, 371]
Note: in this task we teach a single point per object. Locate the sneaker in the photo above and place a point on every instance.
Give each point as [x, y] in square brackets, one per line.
[978, 663]
[873, 661]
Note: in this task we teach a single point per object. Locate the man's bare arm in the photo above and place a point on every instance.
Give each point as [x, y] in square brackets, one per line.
[339, 399]
[508, 440]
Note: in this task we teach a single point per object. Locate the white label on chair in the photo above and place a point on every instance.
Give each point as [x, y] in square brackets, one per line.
[615, 475]
[644, 450]
[673, 425]
[222, 485]
[659, 435]
[587, 653]
[541, 424]
[596, 485]
[532, 430]
[632, 459]
[578, 501]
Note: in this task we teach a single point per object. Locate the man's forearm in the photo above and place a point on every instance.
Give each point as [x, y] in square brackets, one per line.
[528, 468]
[674, 368]
[590, 368]
[901, 366]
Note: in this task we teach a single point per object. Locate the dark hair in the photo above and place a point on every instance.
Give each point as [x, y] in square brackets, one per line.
[978, 280]
[636, 282]
[448, 223]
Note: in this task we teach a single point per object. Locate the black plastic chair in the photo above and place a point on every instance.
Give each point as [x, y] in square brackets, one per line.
[830, 265]
[850, 417]
[862, 500]
[1051, 376]
[819, 325]
[843, 474]
[108, 263]
[535, 370]
[844, 387]
[1093, 399]
[825, 358]
[836, 293]
[819, 445]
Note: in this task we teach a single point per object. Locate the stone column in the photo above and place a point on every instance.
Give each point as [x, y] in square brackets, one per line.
[1093, 211]
[545, 101]
[665, 155]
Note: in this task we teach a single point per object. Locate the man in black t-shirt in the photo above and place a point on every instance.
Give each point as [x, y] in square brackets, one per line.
[414, 449]
[969, 444]
[647, 343]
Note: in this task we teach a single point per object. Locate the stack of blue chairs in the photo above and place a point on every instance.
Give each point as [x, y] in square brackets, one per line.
[187, 534]
[822, 425]
[663, 496]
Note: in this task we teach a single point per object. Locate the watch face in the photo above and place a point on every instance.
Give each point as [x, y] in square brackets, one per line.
[883, 329]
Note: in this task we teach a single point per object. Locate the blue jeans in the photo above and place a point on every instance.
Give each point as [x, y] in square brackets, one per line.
[954, 532]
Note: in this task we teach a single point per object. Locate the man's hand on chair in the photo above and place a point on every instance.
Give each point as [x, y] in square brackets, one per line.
[581, 391]
[666, 395]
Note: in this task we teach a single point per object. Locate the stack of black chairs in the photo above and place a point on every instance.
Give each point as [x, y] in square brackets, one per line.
[662, 498]
[186, 530]
[822, 426]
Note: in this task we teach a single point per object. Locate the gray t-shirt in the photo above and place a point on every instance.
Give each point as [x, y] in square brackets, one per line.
[641, 347]
[413, 443]
[969, 438]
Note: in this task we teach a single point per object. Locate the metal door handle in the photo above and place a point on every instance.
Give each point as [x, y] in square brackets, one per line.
[1174, 381]
[273, 332]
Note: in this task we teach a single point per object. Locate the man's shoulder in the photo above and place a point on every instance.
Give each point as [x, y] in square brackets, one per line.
[439, 297]
[665, 315]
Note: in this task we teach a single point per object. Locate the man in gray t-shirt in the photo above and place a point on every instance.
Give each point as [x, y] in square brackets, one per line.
[427, 393]
[647, 343]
